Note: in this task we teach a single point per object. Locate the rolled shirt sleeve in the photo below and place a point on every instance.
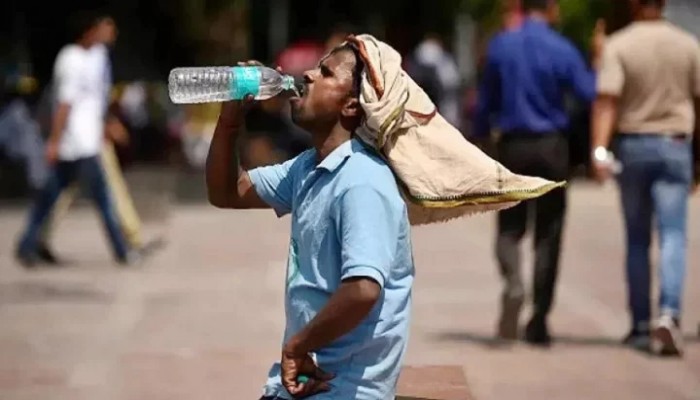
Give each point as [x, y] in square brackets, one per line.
[274, 185]
[611, 77]
[68, 78]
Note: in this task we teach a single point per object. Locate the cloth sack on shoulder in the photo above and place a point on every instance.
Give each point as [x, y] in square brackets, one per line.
[442, 175]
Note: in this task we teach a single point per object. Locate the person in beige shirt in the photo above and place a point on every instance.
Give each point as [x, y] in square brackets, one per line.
[648, 84]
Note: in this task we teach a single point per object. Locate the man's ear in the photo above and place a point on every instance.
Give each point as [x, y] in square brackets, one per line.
[351, 108]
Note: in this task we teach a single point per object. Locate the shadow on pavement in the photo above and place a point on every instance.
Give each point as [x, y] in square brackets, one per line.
[490, 341]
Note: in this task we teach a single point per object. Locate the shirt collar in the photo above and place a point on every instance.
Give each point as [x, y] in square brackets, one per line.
[536, 23]
[337, 156]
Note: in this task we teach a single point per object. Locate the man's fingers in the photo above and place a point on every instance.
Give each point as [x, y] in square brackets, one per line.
[250, 63]
[247, 102]
[308, 388]
[323, 375]
[319, 387]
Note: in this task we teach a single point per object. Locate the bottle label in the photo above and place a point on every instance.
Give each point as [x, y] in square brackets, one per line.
[246, 80]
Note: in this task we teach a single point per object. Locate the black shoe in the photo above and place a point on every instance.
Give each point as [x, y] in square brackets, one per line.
[510, 315]
[152, 246]
[639, 337]
[46, 255]
[26, 260]
[133, 257]
[536, 333]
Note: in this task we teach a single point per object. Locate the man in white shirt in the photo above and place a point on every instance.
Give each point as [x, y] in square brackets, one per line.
[76, 139]
[115, 133]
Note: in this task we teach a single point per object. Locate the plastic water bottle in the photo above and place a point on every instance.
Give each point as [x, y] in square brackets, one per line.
[218, 84]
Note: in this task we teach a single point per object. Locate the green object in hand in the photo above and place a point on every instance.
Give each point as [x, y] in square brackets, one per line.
[302, 379]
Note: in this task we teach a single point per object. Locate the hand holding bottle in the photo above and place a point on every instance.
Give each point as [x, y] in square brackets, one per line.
[219, 84]
[233, 111]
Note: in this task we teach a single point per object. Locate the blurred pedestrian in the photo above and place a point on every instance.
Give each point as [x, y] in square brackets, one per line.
[435, 70]
[115, 133]
[526, 74]
[76, 138]
[648, 90]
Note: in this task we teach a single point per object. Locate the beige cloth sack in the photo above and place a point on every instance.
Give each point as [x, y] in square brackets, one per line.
[442, 175]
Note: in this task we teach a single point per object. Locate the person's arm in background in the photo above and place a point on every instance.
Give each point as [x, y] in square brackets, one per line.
[696, 132]
[488, 96]
[610, 83]
[604, 118]
[696, 147]
[67, 80]
[58, 124]
[115, 131]
[581, 78]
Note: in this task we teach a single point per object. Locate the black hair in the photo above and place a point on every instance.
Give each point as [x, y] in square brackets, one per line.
[536, 5]
[653, 3]
[83, 21]
[357, 70]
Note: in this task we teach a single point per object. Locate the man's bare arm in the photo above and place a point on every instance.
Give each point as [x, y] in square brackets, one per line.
[345, 310]
[604, 116]
[696, 144]
[59, 122]
[228, 185]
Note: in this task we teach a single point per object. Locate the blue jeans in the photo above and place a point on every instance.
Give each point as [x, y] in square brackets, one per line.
[655, 182]
[62, 175]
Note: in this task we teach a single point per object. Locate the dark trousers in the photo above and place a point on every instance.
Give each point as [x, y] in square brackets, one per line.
[546, 156]
[63, 174]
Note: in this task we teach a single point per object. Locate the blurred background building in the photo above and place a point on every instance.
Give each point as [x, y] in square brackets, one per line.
[157, 35]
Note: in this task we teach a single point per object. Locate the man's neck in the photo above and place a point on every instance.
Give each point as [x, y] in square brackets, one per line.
[325, 144]
[539, 16]
[86, 44]
[649, 14]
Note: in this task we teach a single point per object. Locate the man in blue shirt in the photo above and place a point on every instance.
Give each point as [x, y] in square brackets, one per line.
[350, 267]
[526, 75]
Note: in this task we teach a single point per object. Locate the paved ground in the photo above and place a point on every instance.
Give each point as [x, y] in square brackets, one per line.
[203, 319]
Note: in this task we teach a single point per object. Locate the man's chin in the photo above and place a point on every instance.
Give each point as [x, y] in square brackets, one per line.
[297, 118]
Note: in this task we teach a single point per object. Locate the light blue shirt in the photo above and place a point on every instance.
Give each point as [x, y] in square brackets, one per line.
[348, 220]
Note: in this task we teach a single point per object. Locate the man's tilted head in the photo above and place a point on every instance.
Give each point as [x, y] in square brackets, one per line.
[331, 93]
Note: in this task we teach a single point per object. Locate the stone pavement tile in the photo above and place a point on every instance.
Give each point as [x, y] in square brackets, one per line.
[52, 394]
[211, 374]
[13, 377]
[438, 382]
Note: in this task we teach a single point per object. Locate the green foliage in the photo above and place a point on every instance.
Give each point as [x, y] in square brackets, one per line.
[577, 22]
[579, 18]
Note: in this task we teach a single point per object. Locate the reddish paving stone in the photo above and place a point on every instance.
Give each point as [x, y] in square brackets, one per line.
[433, 383]
[211, 374]
[12, 378]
